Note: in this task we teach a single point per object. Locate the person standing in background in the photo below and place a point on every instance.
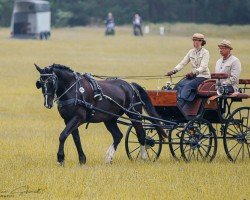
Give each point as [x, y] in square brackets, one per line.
[137, 25]
[110, 24]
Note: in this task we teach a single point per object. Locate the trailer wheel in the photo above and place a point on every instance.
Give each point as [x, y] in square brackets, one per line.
[153, 144]
[41, 36]
[236, 137]
[198, 141]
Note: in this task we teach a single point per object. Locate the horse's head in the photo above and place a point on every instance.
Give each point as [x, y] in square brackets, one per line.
[48, 83]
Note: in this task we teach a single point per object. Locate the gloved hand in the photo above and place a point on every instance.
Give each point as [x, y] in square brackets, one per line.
[190, 75]
[171, 72]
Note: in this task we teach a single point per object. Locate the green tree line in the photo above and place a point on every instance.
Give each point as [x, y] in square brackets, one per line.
[84, 12]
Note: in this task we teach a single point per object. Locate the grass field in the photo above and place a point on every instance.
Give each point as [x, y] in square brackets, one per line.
[29, 132]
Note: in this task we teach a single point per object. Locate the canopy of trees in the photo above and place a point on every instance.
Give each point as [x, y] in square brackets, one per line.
[83, 12]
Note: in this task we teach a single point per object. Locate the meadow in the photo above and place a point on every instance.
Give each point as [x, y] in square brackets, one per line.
[29, 132]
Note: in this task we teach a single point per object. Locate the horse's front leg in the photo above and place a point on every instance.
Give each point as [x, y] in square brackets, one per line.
[77, 140]
[71, 126]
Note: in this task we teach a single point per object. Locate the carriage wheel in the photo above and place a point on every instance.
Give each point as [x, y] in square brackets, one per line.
[174, 139]
[133, 147]
[236, 136]
[198, 141]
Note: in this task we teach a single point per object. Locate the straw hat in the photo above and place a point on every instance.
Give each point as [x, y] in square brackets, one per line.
[198, 36]
[226, 43]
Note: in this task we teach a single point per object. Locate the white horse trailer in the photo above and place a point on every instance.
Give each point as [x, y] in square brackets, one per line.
[31, 19]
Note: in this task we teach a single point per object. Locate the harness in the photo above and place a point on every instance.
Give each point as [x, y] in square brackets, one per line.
[94, 84]
[92, 109]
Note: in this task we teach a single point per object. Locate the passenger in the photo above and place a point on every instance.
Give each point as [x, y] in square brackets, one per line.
[199, 58]
[228, 64]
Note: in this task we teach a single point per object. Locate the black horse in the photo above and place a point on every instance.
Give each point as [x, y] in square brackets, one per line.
[75, 96]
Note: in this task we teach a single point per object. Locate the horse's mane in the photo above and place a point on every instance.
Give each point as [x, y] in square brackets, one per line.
[61, 67]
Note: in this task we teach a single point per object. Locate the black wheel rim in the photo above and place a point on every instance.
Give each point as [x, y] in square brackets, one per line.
[174, 138]
[153, 144]
[198, 141]
[237, 135]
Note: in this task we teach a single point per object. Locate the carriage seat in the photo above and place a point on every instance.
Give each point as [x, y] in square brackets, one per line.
[219, 76]
[208, 87]
[244, 81]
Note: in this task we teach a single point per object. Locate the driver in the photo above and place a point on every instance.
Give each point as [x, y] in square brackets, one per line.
[199, 58]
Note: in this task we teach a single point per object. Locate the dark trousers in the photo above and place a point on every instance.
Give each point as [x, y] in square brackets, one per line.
[137, 26]
[187, 89]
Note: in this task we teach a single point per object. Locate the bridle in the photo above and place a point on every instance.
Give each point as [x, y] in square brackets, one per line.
[54, 79]
[44, 83]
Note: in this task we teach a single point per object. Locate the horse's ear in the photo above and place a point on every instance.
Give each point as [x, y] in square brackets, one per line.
[38, 84]
[38, 68]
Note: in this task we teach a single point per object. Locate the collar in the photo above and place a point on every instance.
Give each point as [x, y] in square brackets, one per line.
[224, 59]
[197, 50]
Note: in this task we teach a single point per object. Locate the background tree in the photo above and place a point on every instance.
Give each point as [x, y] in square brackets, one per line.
[83, 12]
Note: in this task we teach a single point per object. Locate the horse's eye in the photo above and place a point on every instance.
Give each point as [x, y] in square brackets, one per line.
[38, 84]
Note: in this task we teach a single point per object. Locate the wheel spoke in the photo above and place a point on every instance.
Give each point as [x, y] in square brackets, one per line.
[233, 147]
[197, 157]
[190, 155]
[243, 151]
[247, 117]
[184, 148]
[207, 153]
[238, 153]
[134, 133]
[153, 135]
[205, 129]
[248, 150]
[232, 131]
[202, 141]
[136, 142]
[134, 150]
[200, 153]
[138, 155]
[208, 145]
[178, 148]
[241, 129]
[189, 151]
[232, 134]
[236, 128]
[153, 150]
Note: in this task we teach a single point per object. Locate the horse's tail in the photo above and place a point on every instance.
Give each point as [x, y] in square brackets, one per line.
[150, 109]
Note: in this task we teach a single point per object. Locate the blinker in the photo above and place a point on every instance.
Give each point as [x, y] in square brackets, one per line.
[38, 84]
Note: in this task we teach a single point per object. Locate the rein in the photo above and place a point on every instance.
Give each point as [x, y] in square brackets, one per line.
[58, 98]
[136, 77]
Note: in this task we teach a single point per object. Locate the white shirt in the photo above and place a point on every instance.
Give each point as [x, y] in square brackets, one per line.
[232, 67]
[199, 59]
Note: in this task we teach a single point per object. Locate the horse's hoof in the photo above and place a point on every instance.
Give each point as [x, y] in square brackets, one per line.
[61, 164]
[109, 163]
[109, 160]
[82, 162]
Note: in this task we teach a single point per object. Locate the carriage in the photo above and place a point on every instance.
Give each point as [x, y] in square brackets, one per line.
[191, 131]
[194, 129]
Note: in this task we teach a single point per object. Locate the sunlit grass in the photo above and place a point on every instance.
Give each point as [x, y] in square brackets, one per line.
[29, 132]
